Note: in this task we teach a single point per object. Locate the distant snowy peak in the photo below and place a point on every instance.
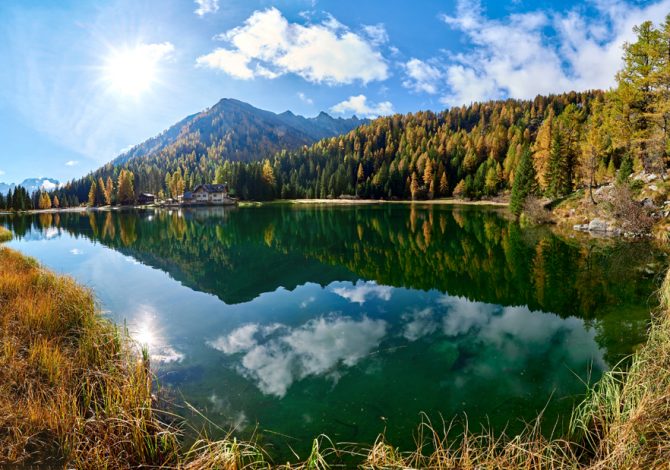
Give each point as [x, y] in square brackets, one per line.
[31, 185]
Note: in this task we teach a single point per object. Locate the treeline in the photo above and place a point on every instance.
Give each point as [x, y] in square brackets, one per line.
[571, 140]
[19, 199]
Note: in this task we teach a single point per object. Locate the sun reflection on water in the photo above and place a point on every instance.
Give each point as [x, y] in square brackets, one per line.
[148, 336]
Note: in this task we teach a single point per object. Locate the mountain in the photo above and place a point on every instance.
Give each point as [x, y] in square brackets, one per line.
[200, 144]
[31, 185]
[240, 132]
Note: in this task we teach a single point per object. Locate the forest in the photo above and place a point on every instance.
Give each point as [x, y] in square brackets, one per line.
[548, 146]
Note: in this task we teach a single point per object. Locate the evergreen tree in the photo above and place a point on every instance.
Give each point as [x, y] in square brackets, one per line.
[125, 191]
[525, 183]
[625, 170]
[91, 194]
[444, 185]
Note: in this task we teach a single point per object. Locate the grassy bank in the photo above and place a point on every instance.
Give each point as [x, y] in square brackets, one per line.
[5, 235]
[71, 390]
[74, 390]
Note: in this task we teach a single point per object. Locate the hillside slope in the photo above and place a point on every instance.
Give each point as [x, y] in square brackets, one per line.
[231, 130]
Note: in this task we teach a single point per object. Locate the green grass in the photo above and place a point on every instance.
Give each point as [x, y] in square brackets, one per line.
[5, 235]
[75, 391]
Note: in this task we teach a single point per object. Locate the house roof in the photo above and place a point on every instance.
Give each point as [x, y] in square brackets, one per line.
[146, 195]
[212, 188]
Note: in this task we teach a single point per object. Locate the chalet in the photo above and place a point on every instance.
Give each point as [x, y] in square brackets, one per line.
[212, 194]
[186, 198]
[146, 198]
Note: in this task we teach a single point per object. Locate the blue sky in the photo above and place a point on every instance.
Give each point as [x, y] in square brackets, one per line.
[83, 80]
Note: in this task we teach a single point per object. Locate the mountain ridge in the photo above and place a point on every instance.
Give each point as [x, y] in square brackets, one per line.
[220, 119]
[31, 185]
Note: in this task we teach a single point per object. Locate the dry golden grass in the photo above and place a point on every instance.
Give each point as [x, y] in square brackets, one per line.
[5, 235]
[71, 389]
[74, 391]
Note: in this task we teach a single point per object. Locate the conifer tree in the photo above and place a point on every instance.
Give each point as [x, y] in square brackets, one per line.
[525, 183]
[91, 194]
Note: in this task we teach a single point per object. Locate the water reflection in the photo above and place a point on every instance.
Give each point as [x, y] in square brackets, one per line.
[148, 335]
[275, 356]
[308, 320]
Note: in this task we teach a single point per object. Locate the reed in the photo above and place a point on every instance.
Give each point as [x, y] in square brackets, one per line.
[71, 387]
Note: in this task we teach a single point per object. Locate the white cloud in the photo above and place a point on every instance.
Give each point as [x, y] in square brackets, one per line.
[422, 76]
[166, 355]
[359, 105]
[537, 52]
[363, 291]
[304, 98]
[71, 162]
[421, 323]
[464, 315]
[317, 348]
[377, 33]
[206, 6]
[268, 45]
[51, 232]
[76, 251]
[233, 63]
[2, 172]
[241, 339]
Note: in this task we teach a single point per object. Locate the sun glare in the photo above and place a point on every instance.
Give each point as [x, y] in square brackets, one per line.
[133, 71]
[145, 335]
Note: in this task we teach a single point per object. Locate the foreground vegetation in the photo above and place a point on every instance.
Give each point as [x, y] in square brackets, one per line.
[74, 390]
[5, 235]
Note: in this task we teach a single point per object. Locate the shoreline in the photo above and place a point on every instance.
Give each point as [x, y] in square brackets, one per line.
[315, 201]
[353, 202]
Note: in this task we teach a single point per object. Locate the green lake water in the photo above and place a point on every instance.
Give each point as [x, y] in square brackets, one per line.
[289, 322]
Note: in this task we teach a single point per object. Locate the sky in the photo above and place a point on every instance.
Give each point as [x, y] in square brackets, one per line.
[81, 80]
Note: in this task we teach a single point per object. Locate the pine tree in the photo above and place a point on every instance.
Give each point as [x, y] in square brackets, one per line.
[625, 170]
[556, 167]
[444, 185]
[428, 173]
[126, 193]
[414, 186]
[525, 183]
[109, 191]
[91, 194]
[360, 174]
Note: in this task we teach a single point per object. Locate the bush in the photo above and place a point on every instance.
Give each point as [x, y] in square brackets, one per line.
[630, 214]
[535, 212]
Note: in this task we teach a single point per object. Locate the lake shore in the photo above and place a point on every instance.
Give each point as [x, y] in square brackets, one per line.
[334, 202]
[436, 202]
[66, 342]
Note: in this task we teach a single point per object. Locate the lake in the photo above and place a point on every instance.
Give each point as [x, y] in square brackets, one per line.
[291, 321]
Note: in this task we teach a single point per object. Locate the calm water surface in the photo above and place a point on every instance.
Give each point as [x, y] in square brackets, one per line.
[296, 321]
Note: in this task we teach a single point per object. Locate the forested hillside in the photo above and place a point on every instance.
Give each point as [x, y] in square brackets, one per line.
[228, 131]
[568, 140]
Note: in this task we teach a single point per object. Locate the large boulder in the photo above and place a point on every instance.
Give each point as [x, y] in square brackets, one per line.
[598, 225]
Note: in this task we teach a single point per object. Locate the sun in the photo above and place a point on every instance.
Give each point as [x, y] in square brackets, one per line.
[133, 71]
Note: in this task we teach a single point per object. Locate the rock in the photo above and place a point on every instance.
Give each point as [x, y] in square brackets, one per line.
[581, 227]
[648, 203]
[650, 177]
[598, 225]
[653, 187]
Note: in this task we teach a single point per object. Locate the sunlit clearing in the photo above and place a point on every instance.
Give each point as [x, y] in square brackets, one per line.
[132, 71]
